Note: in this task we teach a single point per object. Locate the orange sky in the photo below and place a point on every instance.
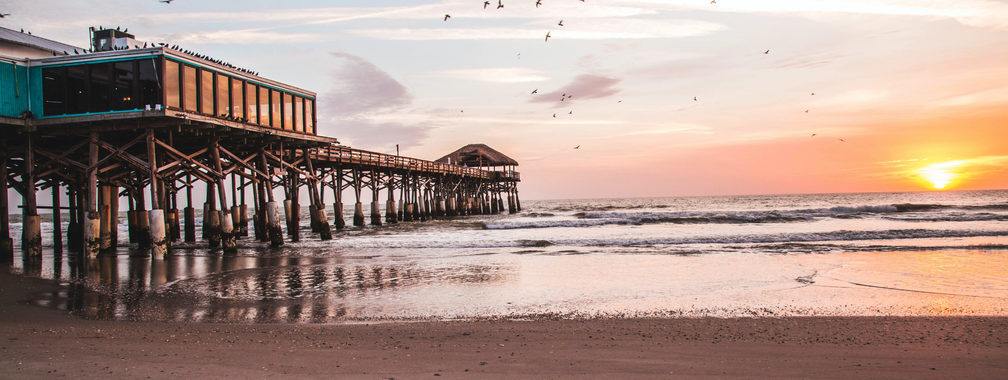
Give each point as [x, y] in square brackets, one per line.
[905, 83]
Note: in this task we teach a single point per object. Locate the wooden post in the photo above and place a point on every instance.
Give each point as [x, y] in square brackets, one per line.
[159, 244]
[6, 243]
[391, 217]
[338, 202]
[210, 218]
[358, 217]
[91, 224]
[104, 217]
[31, 224]
[75, 220]
[189, 213]
[56, 220]
[272, 214]
[375, 206]
[228, 240]
[113, 216]
[319, 216]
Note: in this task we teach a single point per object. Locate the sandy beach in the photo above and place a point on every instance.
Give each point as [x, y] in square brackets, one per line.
[39, 342]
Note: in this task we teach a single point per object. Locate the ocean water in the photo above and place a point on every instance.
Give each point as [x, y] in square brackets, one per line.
[927, 253]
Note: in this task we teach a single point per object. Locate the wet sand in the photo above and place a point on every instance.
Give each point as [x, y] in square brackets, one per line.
[38, 342]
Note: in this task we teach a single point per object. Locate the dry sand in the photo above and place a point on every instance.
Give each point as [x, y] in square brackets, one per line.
[36, 342]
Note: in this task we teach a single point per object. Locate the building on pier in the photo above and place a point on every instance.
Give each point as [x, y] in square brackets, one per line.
[148, 121]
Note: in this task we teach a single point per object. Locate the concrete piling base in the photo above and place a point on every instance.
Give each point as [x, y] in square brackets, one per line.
[92, 230]
[273, 224]
[228, 239]
[173, 226]
[408, 212]
[338, 215]
[31, 238]
[211, 228]
[159, 242]
[375, 213]
[190, 224]
[242, 221]
[313, 222]
[143, 229]
[358, 215]
[390, 212]
[325, 233]
[131, 225]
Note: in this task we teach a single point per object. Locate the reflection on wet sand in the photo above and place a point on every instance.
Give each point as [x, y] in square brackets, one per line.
[240, 288]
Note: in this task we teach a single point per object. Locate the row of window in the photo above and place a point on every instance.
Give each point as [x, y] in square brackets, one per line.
[211, 93]
[130, 85]
[100, 87]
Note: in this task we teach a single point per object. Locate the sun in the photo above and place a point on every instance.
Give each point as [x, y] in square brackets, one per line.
[941, 174]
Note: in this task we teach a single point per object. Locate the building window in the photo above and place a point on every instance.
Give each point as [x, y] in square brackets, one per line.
[190, 97]
[310, 116]
[237, 100]
[288, 112]
[54, 91]
[150, 89]
[207, 92]
[264, 106]
[171, 84]
[275, 110]
[122, 89]
[298, 114]
[223, 96]
[252, 105]
[101, 85]
[77, 89]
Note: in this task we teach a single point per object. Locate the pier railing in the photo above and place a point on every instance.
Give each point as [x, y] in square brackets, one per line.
[343, 154]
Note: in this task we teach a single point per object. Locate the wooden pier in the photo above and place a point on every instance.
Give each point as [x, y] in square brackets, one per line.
[148, 124]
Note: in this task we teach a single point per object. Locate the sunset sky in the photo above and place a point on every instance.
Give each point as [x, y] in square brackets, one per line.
[900, 95]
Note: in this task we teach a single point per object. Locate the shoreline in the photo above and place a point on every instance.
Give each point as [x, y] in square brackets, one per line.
[39, 342]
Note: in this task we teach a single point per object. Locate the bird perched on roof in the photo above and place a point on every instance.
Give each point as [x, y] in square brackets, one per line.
[485, 4]
[500, 4]
[166, 1]
[447, 16]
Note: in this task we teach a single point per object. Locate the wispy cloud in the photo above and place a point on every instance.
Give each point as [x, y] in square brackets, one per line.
[618, 28]
[586, 86]
[497, 74]
[977, 13]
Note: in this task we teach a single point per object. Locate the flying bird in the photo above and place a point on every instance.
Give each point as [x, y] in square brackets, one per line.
[535, 91]
[554, 116]
[694, 98]
[813, 93]
[571, 112]
[166, 1]
[561, 22]
[485, 4]
[538, 3]
[547, 36]
[2, 15]
[767, 51]
[806, 111]
[842, 140]
[577, 147]
[813, 135]
[447, 16]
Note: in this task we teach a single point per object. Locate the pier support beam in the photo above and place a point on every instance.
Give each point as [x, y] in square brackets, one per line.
[6, 243]
[318, 213]
[57, 223]
[358, 216]
[189, 213]
[31, 223]
[227, 236]
[159, 242]
[91, 223]
[272, 209]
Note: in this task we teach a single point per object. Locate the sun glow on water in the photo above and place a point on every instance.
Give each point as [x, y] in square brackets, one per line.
[941, 174]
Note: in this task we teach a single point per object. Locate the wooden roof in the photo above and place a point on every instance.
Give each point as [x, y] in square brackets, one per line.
[475, 155]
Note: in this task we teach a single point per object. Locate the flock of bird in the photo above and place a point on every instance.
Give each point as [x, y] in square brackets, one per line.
[486, 3]
[564, 96]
